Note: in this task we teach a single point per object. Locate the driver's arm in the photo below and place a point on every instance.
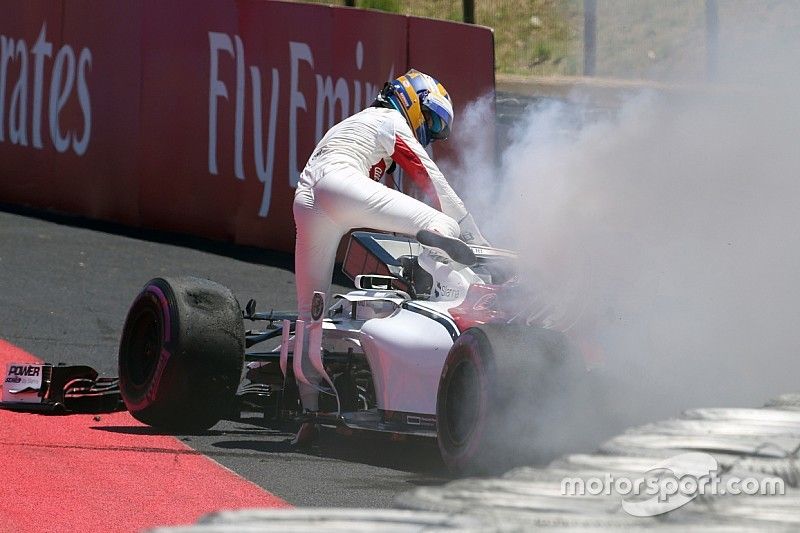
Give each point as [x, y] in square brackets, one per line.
[420, 168]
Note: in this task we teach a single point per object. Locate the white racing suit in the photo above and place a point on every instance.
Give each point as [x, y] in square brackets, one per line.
[338, 191]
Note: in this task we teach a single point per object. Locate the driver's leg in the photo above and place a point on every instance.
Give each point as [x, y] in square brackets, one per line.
[318, 237]
[338, 202]
[356, 201]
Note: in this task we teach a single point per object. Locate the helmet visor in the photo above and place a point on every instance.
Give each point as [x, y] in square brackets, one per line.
[438, 129]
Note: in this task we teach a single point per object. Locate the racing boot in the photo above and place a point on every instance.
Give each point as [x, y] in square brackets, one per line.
[456, 249]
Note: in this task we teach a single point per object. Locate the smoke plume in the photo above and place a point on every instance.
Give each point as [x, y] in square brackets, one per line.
[664, 234]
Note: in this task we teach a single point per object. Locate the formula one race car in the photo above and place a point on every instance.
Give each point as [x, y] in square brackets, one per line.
[437, 340]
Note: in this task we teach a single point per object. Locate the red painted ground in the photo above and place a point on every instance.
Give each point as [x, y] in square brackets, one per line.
[75, 473]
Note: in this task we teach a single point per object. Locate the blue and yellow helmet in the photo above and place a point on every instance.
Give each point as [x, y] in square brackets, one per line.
[424, 103]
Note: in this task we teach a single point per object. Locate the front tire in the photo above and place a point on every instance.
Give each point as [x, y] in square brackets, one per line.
[501, 397]
[181, 354]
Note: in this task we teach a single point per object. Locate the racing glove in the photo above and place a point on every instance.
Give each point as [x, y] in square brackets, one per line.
[470, 233]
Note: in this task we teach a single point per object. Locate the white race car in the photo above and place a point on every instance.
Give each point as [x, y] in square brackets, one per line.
[437, 340]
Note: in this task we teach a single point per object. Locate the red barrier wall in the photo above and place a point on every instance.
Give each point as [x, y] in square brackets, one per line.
[197, 115]
[102, 181]
[26, 151]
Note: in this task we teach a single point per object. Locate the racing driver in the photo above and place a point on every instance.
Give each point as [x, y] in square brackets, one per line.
[339, 189]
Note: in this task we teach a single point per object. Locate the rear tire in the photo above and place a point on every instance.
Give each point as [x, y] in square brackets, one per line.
[181, 354]
[503, 396]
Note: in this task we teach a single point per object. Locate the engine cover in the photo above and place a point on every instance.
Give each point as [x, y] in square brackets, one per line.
[406, 352]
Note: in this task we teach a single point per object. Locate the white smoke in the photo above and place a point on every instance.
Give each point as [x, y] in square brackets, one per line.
[669, 227]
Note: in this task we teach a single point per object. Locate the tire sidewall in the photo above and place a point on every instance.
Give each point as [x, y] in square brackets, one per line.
[193, 382]
[470, 347]
[523, 373]
[156, 296]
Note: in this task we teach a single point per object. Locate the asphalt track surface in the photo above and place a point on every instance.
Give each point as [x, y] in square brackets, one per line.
[65, 287]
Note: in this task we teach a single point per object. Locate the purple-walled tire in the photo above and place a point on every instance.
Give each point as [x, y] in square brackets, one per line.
[181, 354]
[500, 390]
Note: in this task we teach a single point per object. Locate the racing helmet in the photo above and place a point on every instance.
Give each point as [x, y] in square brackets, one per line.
[424, 103]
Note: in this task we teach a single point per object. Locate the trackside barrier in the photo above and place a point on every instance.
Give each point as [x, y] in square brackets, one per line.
[196, 116]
